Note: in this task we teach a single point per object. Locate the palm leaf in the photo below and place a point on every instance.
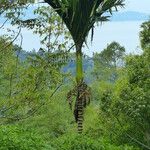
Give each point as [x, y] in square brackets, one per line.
[81, 15]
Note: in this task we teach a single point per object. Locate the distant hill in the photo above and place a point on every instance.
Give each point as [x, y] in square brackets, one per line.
[118, 16]
[88, 63]
[130, 16]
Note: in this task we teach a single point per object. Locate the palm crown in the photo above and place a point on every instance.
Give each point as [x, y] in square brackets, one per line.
[81, 15]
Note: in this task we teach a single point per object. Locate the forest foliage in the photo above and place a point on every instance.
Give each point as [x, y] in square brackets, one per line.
[34, 112]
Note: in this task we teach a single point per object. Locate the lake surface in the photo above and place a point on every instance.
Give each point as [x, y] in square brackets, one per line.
[125, 32]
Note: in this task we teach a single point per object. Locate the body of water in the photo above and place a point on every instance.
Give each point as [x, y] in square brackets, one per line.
[125, 32]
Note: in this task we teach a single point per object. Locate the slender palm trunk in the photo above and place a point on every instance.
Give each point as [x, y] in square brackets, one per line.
[79, 80]
[79, 64]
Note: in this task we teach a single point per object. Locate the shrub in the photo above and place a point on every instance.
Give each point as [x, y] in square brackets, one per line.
[82, 142]
[17, 138]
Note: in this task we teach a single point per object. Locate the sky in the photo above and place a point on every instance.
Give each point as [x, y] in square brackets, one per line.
[126, 33]
[137, 5]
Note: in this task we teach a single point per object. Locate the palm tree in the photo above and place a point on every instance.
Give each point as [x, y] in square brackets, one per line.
[144, 35]
[80, 17]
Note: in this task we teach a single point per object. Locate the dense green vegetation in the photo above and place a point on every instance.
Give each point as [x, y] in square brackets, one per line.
[36, 110]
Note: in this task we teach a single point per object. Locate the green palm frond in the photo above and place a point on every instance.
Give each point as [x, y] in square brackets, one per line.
[81, 15]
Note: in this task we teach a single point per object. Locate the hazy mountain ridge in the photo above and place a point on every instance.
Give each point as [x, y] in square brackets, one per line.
[118, 16]
[88, 63]
[130, 16]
